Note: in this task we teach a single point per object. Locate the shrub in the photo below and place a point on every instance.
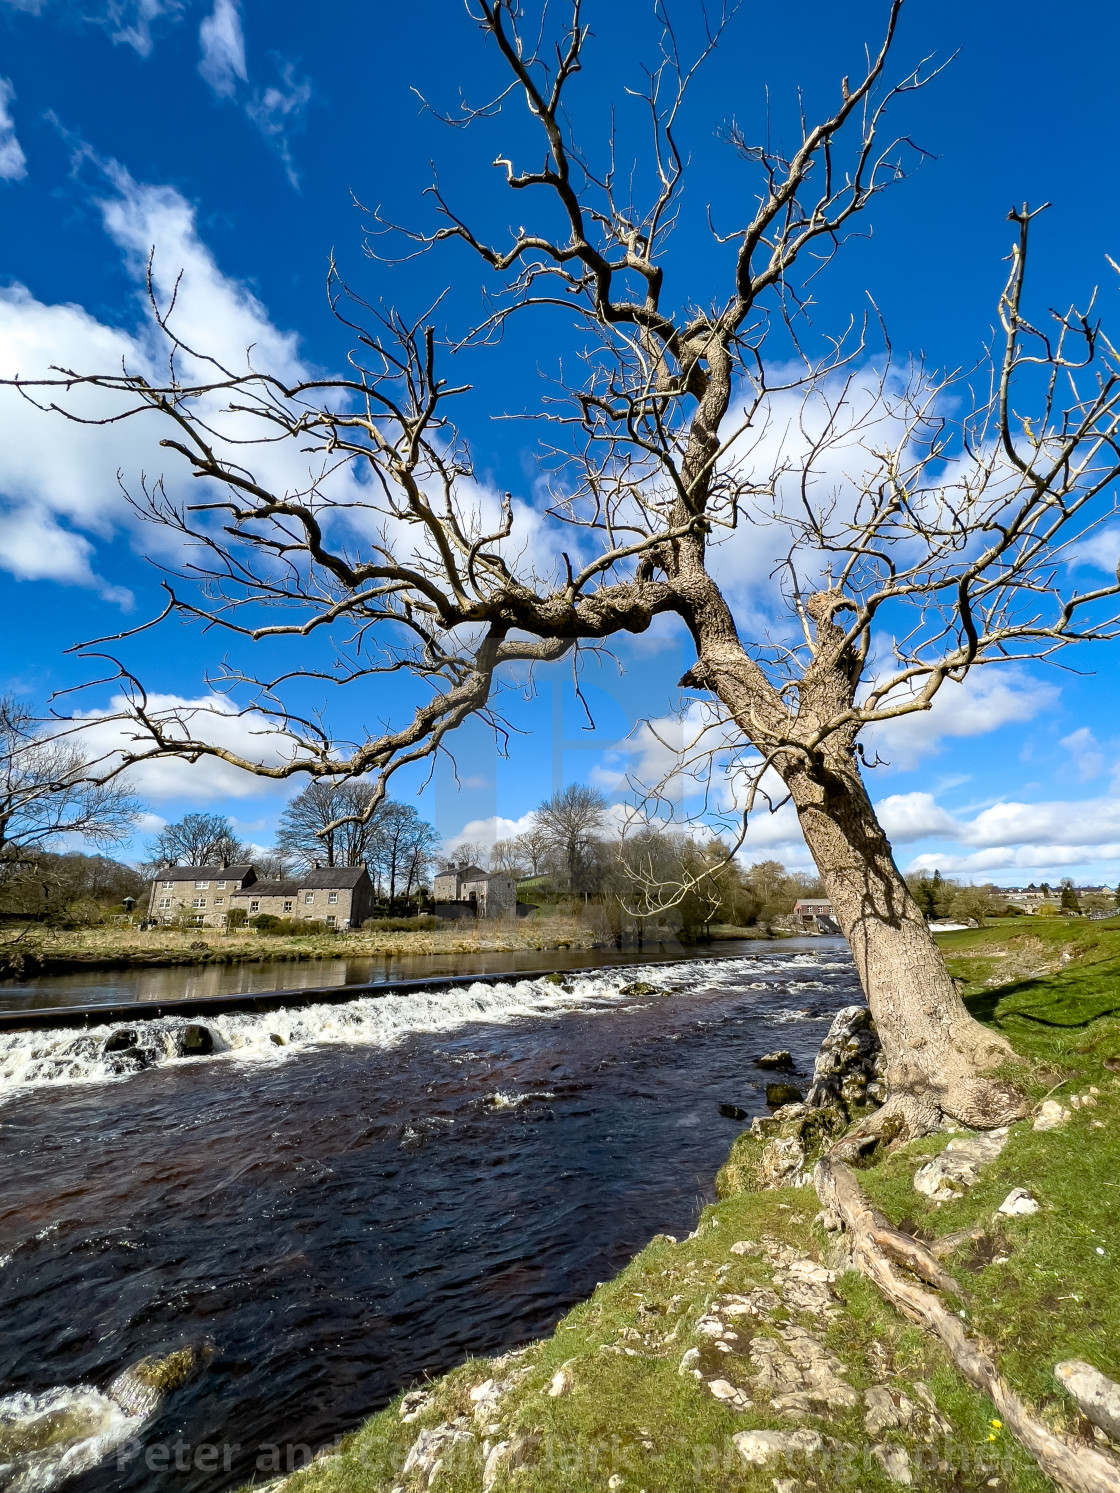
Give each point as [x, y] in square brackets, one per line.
[237, 917]
[273, 926]
[425, 923]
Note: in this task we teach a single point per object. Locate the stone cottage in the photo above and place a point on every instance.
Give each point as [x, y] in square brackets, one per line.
[203, 893]
[339, 896]
[489, 894]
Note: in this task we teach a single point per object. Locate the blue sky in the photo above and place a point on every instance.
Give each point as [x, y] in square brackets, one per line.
[235, 140]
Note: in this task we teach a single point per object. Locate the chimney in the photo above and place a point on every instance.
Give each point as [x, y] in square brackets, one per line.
[315, 865]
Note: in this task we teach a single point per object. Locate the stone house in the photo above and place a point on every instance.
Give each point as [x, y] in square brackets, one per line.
[203, 893]
[812, 907]
[489, 894]
[339, 896]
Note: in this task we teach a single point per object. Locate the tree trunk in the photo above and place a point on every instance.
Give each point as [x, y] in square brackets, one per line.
[936, 1052]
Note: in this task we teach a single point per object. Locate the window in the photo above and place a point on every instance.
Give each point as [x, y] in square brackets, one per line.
[330, 919]
[165, 901]
[332, 898]
[167, 885]
[218, 901]
[199, 902]
[200, 886]
[288, 906]
[308, 898]
[220, 885]
[254, 907]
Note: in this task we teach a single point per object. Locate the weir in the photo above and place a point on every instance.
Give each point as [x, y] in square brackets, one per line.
[38, 1019]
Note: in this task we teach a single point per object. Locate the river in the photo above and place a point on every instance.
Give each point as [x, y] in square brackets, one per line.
[397, 1183]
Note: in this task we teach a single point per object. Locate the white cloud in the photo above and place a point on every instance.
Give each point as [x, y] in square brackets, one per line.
[991, 864]
[1086, 752]
[914, 816]
[986, 700]
[127, 21]
[59, 488]
[13, 162]
[210, 718]
[277, 110]
[486, 831]
[223, 48]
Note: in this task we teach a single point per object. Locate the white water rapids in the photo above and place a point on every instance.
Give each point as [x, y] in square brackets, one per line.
[80, 1055]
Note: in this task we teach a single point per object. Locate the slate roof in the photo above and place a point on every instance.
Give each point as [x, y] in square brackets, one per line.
[270, 889]
[332, 877]
[327, 878]
[206, 873]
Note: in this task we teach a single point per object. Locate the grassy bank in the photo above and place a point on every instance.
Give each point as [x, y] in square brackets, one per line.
[36, 949]
[662, 1380]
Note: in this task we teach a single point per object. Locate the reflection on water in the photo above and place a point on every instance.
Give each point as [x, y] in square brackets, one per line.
[325, 1223]
[211, 981]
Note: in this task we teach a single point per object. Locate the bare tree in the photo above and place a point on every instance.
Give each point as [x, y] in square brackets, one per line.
[572, 821]
[196, 840]
[46, 792]
[402, 849]
[941, 550]
[532, 846]
[506, 855]
[328, 821]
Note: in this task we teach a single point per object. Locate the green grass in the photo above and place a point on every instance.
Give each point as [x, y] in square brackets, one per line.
[632, 1414]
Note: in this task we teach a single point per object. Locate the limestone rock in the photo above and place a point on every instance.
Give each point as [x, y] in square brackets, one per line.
[957, 1168]
[425, 1456]
[850, 1056]
[413, 1404]
[895, 1462]
[783, 1093]
[757, 1448]
[561, 1381]
[1051, 1114]
[1097, 1396]
[781, 1162]
[780, 1059]
[738, 1399]
[746, 1247]
[885, 1412]
[688, 1362]
[798, 1371]
[1018, 1201]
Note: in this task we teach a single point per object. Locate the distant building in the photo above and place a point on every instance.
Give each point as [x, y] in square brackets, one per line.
[464, 889]
[204, 893]
[339, 896]
[812, 907]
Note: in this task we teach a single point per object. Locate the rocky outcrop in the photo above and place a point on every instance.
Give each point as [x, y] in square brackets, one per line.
[849, 1065]
[949, 1175]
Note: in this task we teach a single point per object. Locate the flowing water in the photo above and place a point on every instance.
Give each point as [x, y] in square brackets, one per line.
[111, 987]
[341, 1199]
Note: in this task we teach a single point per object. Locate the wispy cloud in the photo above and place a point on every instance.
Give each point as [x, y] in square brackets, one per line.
[278, 111]
[128, 22]
[223, 48]
[13, 162]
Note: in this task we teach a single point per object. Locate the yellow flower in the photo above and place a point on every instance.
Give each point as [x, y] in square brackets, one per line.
[998, 1424]
[991, 1435]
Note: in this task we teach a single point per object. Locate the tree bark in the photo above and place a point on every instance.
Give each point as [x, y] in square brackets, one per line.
[937, 1054]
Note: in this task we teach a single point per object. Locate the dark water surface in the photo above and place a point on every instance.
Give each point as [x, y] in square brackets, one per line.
[399, 1185]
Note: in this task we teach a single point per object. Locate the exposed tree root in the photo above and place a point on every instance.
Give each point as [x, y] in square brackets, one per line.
[878, 1249]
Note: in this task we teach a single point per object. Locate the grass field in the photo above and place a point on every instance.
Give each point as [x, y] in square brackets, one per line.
[606, 1402]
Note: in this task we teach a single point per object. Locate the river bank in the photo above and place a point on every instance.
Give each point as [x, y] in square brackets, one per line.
[752, 1356]
[35, 950]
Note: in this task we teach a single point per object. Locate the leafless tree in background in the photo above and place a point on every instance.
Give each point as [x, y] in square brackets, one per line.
[198, 839]
[46, 793]
[943, 547]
